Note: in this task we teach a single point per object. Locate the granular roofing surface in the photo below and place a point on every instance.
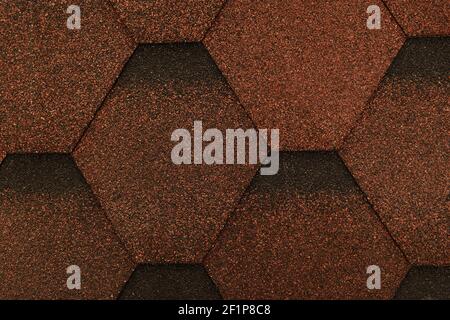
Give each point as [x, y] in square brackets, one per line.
[53, 79]
[422, 18]
[306, 233]
[149, 199]
[170, 282]
[306, 67]
[399, 151]
[162, 21]
[425, 283]
[50, 220]
[87, 178]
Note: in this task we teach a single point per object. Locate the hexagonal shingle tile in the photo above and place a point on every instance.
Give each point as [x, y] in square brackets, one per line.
[170, 282]
[163, 21]
[166, 213]
[305, 67]
[306, 233]
[398, 153]
[53, 79]
[422, 18]
[50, 220]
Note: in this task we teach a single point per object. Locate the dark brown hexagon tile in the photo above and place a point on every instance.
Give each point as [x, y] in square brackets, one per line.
[305, 67]
[306, 233]
[50, 220]
[422, 18]
[166, 213]
[163, 21]
[170, 282]
[425, 283]
[53, 79]
[399, 150]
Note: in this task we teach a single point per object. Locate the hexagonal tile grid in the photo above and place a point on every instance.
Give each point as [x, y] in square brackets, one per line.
[399, 151]
[53, 79]
[422, 18]
[164, 212]
[306, 67]
[425, 283]
[306, 233]
[50, 220]
[170, 282]
[163, 21]
[309, 68]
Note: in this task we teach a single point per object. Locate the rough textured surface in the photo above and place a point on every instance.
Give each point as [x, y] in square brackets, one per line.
[306, 67]
[160, 21]
[399, 150]
[49, 220]
[53, 79]
[307, 233]
[164, 212]
[425, 283]
[422, 18]
[170, 282]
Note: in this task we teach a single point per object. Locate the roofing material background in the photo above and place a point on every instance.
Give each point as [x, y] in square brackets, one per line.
[310, 68]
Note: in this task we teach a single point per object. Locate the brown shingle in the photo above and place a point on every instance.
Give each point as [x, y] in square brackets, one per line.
[306, 233]
[49, 220]
[164, 212]
[170, 282]
[425, 283]
[53, 79]
[422, 18]
[399, 150]
[159, 21]
[306, 67]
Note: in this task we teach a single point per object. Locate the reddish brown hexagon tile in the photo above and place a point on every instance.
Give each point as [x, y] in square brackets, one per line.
[306, 67]
[422, 18]
[166, 213]
[306, 233]
[50, 220]
[53, 79]
[162, 21]
[399, 151]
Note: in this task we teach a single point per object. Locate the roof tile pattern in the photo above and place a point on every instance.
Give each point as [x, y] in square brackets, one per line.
[49, 220]
[422, 18]
[170, 282]
[164, 212]
[399, 150]
[306, 67]
[53, 79]
[306, 233]
[310, 68]
[159, 21]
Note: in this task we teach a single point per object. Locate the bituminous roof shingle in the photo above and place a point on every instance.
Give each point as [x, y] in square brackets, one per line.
[422, 18]
[170, 282]
[53, 79]
[305, 67]
[50, 220]
[306, 233]
[166, 213]
[399, 150]
[425, 283]
[163, 21]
